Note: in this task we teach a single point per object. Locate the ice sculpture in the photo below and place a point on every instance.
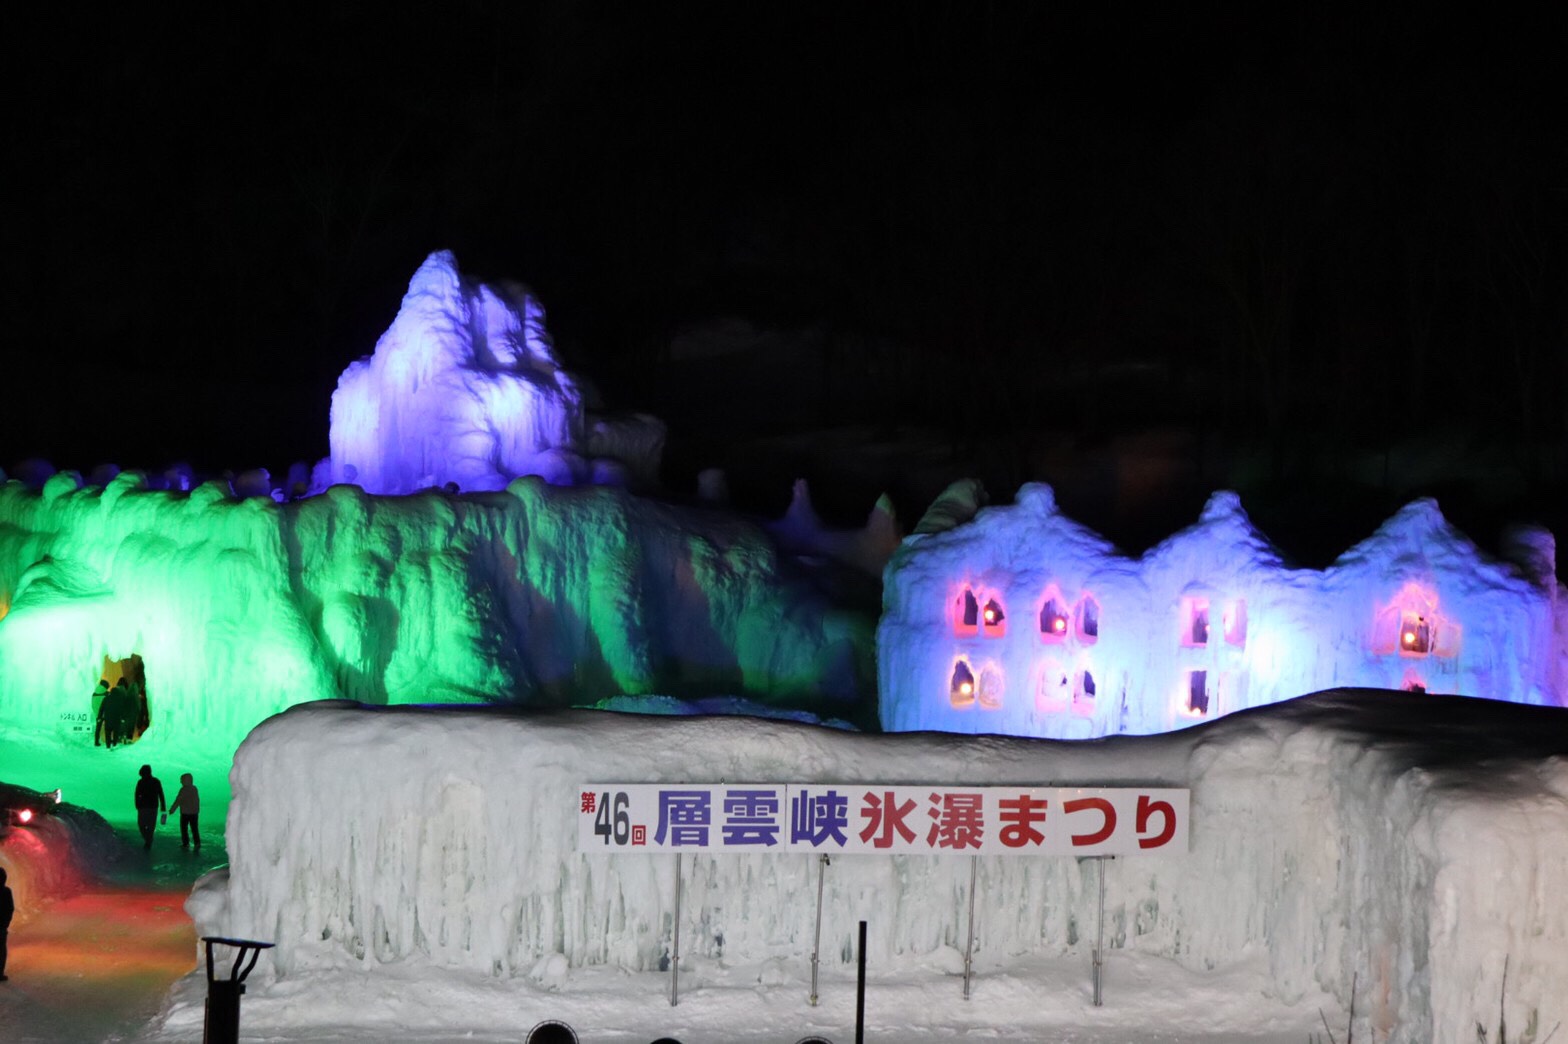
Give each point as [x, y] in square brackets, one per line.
[1078, 640]
[465, 388]
[534, 595]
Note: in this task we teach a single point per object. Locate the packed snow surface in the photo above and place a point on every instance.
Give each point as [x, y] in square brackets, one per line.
[1410, 843]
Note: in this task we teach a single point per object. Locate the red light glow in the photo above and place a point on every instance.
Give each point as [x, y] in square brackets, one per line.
[966, 687]
[1059, 624]
[990, 616]
[1410, 638]
[25, 815]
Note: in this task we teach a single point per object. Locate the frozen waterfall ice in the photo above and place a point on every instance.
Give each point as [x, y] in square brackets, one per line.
[466, 388]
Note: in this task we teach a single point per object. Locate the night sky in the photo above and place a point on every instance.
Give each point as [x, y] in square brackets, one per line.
[1004, 223]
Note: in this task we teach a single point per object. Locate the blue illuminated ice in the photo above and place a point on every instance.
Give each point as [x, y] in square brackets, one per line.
[465, 387]
[1090, 642]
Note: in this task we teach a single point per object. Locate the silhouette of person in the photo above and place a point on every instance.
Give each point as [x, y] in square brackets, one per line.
[99, 695]
[112, 713]
[188, 803]
[124, 712]
[149, 802]
[7, 911]
[143, 719]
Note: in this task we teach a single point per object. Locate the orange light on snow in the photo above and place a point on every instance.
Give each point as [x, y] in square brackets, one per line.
[1059, 624]
[1410, 637]
[966, 687]
[990, 616]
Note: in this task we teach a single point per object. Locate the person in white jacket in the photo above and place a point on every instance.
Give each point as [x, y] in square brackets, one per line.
[188, 803]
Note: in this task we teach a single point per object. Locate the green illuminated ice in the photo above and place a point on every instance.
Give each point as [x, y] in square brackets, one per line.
[535, 595]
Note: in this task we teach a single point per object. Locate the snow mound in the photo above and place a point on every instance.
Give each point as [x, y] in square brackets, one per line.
[1411, 843]
[60, 850]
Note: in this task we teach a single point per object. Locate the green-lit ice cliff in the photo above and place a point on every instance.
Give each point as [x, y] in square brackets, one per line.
[536, 595]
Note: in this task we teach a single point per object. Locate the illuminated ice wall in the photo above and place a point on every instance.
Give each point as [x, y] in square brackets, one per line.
[535, 595]
[1020, 621]
[465, 388]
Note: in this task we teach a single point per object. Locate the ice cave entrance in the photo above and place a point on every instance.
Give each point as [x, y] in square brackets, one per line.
[126, 718]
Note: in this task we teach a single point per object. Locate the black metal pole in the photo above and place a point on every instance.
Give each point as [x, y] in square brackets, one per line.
[860, 991]
[222, 1022]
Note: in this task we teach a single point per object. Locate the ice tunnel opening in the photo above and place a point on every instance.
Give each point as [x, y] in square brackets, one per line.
[120, 712]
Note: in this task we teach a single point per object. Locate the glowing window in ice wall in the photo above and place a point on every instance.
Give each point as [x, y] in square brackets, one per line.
[1198, 693]
[1195, 622]
[966, 613]
[1053, 617]
[1088, 619]
[1415, 634]
[993, 622]
[1412, 626]
[1084, 693]
[961, 689]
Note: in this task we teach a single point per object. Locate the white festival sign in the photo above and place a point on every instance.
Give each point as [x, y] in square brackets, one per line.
[862, 818]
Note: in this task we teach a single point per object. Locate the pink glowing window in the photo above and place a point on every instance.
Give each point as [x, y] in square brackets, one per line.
[990, 687]
[1088, 619]
[1236, 623]
[1198, 693]
[1410, 625]
[993, 622]
[1415, 634]
[1195, 623]
[961, 689]
[1053, 620]
[966, 613]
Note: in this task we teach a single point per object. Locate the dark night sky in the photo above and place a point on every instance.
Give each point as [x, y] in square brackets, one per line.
[1275, 224]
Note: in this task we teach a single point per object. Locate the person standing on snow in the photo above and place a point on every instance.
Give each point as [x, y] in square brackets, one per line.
[149, 802]
[188, 803]
[99, 695]
[7, 910]
[124, 711]
[143, 719]
[112, 713]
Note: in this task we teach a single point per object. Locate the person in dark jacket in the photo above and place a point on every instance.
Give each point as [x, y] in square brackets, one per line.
[99, 695]
[124, 711]
[7, 911]
[143, 719]
[149, 802]
[188, 804]
[109, 718]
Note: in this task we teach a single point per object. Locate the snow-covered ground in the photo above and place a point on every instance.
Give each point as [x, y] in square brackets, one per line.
[908, 1001]
[419, 871]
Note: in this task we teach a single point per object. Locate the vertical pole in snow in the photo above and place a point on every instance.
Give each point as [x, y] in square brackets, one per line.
[860, 991]
[969, 947]
[675, 950]
[816, 944]
[1099, 935]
